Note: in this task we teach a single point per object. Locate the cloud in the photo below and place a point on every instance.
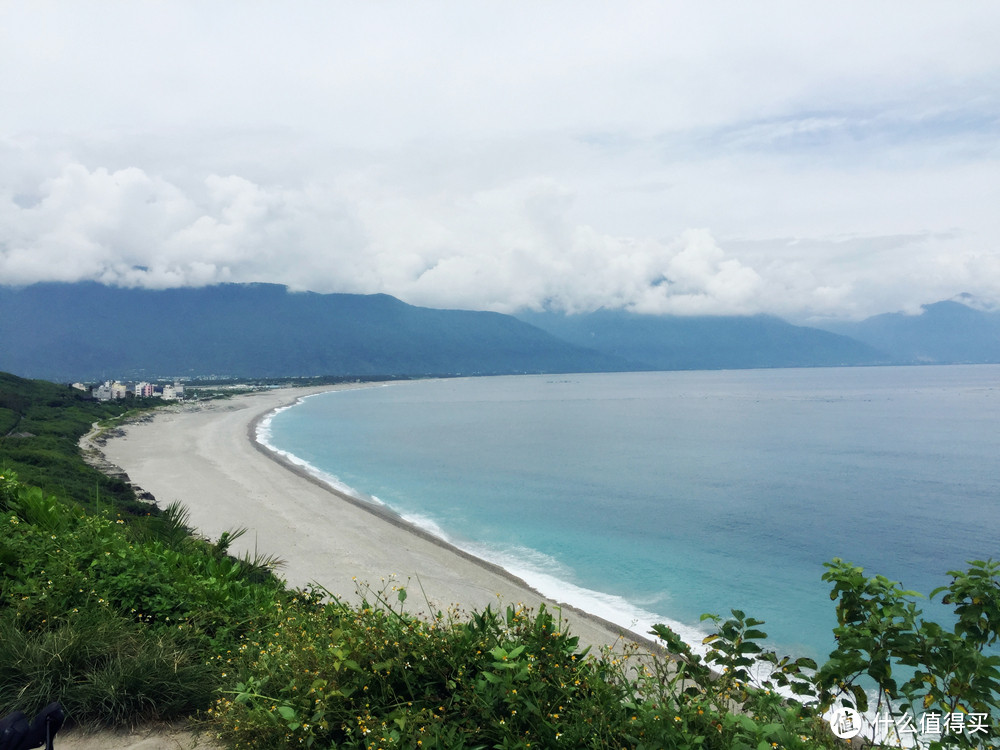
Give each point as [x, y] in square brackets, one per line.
[830, 162]
[132, 229]
[516, 244]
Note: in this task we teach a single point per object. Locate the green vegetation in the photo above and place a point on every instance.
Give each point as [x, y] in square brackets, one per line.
[939, 685]
[114, 617]
[41, 424]
[128, 619]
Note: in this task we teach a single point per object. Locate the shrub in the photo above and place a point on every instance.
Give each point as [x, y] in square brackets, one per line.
[915, 666]
[104, 669]
[115, 624]
[333, 675]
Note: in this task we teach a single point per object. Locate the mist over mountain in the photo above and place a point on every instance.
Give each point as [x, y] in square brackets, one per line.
[959, 330]
[87, 331]
[672, 342]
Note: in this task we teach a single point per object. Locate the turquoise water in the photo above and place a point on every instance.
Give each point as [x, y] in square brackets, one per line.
[655, 497]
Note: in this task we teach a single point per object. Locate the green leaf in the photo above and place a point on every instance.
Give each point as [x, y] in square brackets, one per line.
[860, 698]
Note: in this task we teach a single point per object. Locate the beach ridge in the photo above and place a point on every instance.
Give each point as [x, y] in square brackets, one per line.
[208, 457]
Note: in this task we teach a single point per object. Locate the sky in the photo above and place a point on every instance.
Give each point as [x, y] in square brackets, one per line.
[813, 161]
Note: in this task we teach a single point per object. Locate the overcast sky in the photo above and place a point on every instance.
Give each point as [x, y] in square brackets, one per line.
[809, 160]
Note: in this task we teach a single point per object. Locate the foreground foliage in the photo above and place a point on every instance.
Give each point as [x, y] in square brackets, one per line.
[114, 617]
[127, 620]
[40, 426]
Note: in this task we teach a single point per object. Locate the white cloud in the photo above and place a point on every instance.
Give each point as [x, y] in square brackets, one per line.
[498, 156]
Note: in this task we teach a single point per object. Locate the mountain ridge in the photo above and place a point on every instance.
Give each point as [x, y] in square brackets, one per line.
[955, 331]
[671, 342]
[89, 331]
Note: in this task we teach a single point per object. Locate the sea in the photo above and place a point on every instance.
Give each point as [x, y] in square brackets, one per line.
[659, 497]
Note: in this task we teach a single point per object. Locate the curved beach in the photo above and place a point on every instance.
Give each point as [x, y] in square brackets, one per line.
[206, 456]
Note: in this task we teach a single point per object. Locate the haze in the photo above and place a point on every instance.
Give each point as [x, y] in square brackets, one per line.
[806, 160]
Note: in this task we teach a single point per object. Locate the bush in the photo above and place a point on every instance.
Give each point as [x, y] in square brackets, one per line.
[110, 619]
[333, 675]
[104, 669]
[917, 667]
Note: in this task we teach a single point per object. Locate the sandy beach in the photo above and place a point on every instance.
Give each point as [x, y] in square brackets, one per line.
[204, 454]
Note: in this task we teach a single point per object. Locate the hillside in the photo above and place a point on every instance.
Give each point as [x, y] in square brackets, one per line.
[40, 425]
[671, 342]
[88, 331]
[950, 331]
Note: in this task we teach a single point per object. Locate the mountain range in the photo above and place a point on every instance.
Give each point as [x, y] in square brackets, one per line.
[951, 331]
[87, 331]
[674, 342]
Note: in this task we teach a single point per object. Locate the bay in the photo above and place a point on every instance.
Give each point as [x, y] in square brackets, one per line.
[655, 497]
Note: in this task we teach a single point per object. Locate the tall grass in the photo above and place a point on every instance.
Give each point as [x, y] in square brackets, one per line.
[105, 669]
[115, 617]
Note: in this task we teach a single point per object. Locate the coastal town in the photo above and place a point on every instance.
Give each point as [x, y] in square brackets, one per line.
[114, 390]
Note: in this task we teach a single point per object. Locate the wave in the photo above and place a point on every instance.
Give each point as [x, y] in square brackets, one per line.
[264, 435]
[549, 577]
[543, 573]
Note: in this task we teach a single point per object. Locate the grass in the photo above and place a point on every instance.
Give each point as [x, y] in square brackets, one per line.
[106, 670]
[40, 426]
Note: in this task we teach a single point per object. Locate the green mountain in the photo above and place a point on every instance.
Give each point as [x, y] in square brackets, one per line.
[670, 342]
[952, 331]
[87, 331]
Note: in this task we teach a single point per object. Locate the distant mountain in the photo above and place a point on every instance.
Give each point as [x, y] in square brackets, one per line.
[953, 331]
[87, 331]
[671, 342]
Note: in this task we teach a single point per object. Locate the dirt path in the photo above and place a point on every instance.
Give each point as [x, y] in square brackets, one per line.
[149, 738]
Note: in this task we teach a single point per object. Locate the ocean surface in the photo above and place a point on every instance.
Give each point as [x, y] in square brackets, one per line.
[656, 497]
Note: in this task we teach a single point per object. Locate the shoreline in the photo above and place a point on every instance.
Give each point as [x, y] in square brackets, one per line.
[313, 536]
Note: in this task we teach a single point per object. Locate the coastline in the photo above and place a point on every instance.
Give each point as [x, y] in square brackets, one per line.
[207, 456]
